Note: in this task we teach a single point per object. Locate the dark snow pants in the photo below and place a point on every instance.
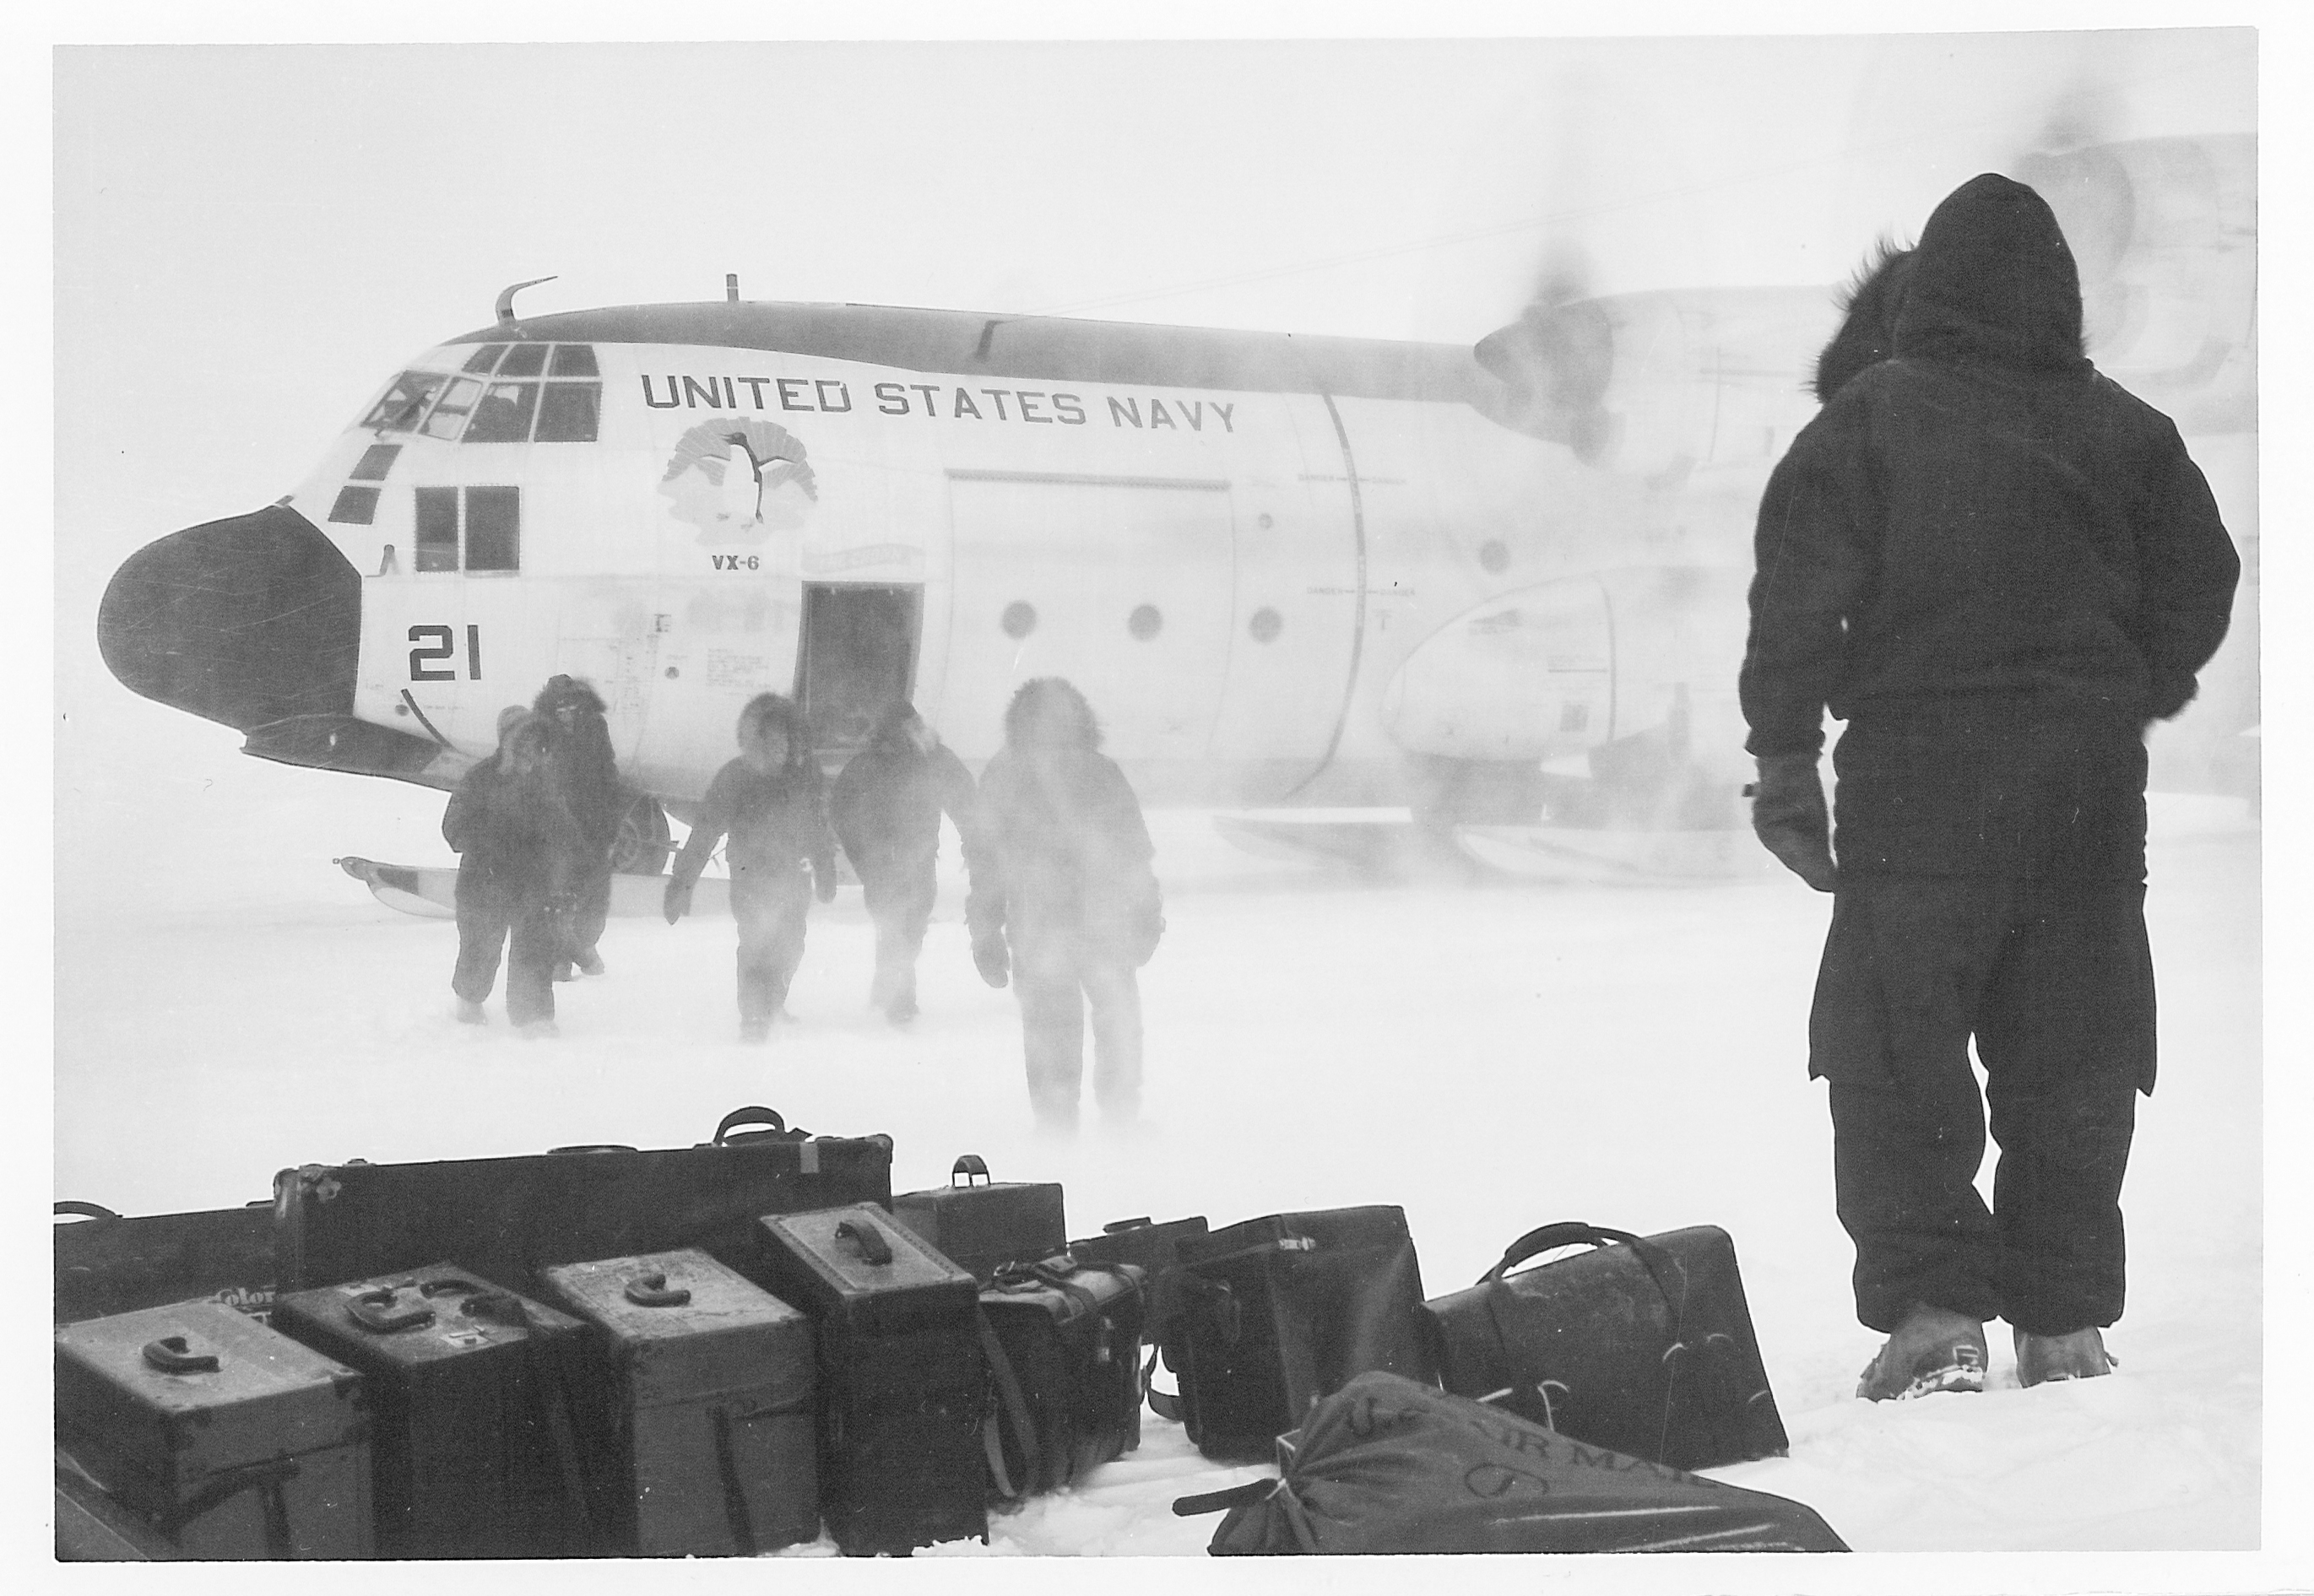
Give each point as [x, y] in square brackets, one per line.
[1058, 972]
[899, 896]
[486, 913]
[770, 907]
[593, 910]
[2054, 981]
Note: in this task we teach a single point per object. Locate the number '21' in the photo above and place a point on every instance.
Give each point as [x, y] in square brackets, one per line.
[438, 647]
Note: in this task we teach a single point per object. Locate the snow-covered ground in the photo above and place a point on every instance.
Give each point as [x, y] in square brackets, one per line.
[229, 1003]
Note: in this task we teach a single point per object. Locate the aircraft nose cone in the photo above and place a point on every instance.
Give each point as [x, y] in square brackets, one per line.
[245, 621]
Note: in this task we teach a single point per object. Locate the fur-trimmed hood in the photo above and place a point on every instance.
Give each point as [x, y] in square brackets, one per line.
[1992, 281]
[768, 709]
[1049, 713]
[566, 691]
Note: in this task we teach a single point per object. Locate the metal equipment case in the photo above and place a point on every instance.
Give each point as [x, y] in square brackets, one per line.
[983, 1225]
[227, 1440]
[901, 1381]
[710, 1421]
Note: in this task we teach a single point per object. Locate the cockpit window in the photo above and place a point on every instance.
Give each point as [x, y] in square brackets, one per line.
[523, 360]
[404, 400]
[565, 407]
[503, 416]
[449, 415]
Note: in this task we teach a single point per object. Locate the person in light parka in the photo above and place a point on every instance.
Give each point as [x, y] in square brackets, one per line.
[1999, 568]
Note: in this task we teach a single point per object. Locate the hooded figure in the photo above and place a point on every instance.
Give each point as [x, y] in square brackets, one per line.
[887, 808]
[1063, 899]
[587, 773]
[773, 804]
[1997, 568]
[520, 855]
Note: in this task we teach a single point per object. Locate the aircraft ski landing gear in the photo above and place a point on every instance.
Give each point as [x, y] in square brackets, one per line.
[643, 841]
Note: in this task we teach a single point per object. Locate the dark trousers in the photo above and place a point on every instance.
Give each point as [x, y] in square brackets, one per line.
[899, 901]
[770, 907]
[2055, 982]
[592, 910]
[486, 915]
[1057, 973]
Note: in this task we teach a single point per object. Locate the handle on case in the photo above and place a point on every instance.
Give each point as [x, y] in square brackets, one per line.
[173, 1354]
[86, 1210]
[868, 1239]
[1567, 1233]
[651, 1291]
[755, 1114]
[591, 1147]
[1115, 1225]
[377, 1312]
[968, 1166]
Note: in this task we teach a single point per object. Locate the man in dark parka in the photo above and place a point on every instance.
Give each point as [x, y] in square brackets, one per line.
[773, 804]
[586, 772]
[887, 807]
[520, 855]
[1997, 568]
[1063, 899]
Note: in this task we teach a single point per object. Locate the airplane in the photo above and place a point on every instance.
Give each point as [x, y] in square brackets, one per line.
[1493, 592]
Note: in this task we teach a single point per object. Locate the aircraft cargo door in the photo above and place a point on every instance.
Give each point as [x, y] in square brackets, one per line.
[1124, 585]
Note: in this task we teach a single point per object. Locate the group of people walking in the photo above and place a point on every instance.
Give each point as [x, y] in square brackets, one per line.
[1064, 904]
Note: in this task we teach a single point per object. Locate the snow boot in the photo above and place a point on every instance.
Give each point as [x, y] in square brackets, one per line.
[537, 1030]
[755, 1029]
[470, 1013]
[1935, 1349]
[590, 963]
[2079, 1355]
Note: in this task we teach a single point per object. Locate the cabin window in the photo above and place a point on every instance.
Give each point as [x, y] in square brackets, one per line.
[356, 506]
[404, 401]
[485, 521]
[574, 360]
[1264, 625]
[1019, 618]
[485, 360]
[1144, 622]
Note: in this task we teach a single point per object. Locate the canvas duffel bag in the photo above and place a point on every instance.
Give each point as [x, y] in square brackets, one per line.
[1385, 1465]
[1644, 1345]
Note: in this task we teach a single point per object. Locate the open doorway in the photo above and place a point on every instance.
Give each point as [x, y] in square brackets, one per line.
[858, 657]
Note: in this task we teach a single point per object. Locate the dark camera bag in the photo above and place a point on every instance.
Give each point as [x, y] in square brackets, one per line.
[1644, 1345]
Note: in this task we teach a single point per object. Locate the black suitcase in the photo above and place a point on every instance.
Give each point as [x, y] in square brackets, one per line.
[476, 1396]
[1155, 1249]
[1644, 1346]
[106, 1264]
[1062, 1339]
[220, 1437]
[982, 1226]
[902, 1384]
[1281, 1311]
[504, 1218]
[711, 1424]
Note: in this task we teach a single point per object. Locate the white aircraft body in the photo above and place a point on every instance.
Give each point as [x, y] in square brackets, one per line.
[1495, 584]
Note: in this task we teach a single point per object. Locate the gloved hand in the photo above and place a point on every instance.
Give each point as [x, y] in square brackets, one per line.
[992, 957]
[823, 882]
[1148, 926]
[678, 901]
[1789, 818]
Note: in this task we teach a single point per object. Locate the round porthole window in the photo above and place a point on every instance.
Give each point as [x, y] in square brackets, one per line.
[1494, 555]
[1144, 622]
[1264, 625]
[1019, 618]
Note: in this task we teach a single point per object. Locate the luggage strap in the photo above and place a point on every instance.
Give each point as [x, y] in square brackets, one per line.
[266, 1479]
[735, 1494]
[1280, 1491]
[1009, 1404]
[550, 1379]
